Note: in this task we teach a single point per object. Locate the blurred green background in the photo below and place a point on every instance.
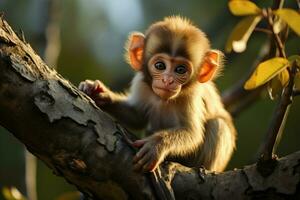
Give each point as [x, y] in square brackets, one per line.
[92, 36]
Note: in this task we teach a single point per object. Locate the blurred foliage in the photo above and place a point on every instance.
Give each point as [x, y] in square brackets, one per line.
[12, 193]
[275, 70]
[92, 37]
[69, 196]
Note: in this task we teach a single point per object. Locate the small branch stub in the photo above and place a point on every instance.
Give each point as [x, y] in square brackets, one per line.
[266, 167]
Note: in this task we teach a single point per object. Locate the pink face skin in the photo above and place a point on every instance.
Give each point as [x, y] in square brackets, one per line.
[169, 74]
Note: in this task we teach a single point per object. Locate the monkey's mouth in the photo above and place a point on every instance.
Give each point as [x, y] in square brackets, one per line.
[165, 93]
[166, 89]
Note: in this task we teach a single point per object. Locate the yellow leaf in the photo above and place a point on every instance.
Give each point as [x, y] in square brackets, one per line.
[12, 193]
[265, 71]
[291, 17]
[6, 193]
[297, 81]
[243, 7]
[277, 84]
[240, 34]
[279, 25]
[284, 77]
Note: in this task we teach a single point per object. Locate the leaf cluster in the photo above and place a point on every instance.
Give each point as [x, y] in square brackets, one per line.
[276, 71]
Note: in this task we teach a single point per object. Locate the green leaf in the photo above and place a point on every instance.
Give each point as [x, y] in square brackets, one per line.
[274, 88]
[265, 71]
[291, 17]
[277, 84]
[241, 33]
[294, 58]
[243, 7]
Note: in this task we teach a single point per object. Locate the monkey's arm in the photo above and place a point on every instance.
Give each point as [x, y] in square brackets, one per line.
[115, 104]
[181, 141]
[172, 142]
[189, 146]
[125, 113]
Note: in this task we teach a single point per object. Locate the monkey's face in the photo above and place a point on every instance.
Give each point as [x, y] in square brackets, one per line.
[171, 54]
[169, 74]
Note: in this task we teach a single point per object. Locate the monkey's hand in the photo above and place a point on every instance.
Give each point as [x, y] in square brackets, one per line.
[97, 91]
[150, 154]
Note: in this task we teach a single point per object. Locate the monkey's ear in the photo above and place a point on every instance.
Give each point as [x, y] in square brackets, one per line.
[135, 48]
[210, 65]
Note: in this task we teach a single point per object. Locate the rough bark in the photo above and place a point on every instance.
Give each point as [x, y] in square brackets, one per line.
[66, 130]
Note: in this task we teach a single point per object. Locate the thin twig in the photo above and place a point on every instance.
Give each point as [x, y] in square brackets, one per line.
[263, 30]
[278, 41]
[277, 4]
[276, 127]
[53, 46]
[30, 175]
[298, 3]
[296, 93]
[278, 120]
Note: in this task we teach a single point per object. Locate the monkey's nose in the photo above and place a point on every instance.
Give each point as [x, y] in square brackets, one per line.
[168, 80]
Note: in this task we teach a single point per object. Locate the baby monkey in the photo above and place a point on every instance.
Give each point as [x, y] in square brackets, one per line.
[173, 97]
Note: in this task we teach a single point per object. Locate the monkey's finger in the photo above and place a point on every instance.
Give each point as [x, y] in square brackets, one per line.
[98, 83]
[84, 86]
[98, 87]
[96, 90]
[87, 81]
[140, 153]
[89, 88]
[139, 165]
[138, 143]
[144, 159]
[150, 166]
[80, 86]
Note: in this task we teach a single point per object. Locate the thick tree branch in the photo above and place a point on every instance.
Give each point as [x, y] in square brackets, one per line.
[65, 129]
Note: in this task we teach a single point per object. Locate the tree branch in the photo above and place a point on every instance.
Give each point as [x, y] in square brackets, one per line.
[296, 93]
[279, 118]
[66, 130]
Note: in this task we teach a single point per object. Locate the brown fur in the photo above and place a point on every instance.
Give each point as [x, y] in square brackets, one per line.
[192, 128]
[209, 136]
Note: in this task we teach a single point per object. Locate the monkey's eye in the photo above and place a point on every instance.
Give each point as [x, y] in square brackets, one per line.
[160, 65]
[181, 69]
